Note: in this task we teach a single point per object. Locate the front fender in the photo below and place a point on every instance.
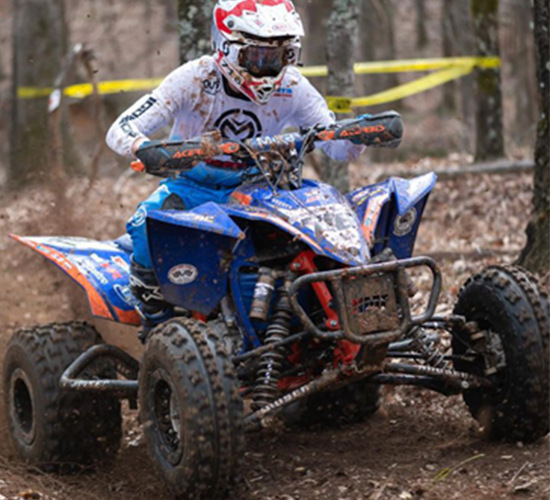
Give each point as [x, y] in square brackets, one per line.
[378, 206]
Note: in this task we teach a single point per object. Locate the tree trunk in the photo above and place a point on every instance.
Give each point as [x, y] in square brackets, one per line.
[422, 39]
[457, 37]
[315, 17]
[194, 28]
[342, 30]
[536, 254]
[465, 35]
[2, 75]
[489, 133]
[377, 43]
[518, 49]
[148, 25]
[40, 37]
[449, 38]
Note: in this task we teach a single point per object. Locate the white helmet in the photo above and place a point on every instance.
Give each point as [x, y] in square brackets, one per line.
[254, 41]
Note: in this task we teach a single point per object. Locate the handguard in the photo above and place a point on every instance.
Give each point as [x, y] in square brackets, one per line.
[382, 130]
[169, 158]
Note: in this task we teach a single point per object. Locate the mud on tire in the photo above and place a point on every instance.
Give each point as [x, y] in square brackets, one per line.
[508, 301]
[50, 427]
[191, 409]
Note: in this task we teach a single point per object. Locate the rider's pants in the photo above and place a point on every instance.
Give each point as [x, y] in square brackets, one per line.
[173, 194]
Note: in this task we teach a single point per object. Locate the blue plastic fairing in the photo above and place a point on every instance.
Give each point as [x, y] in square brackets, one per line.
[191, 253]
[101, 268]
[409, 192]
[316, 214]
[209, 217]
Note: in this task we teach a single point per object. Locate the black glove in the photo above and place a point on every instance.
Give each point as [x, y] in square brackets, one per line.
[155, 155]
[165, 158]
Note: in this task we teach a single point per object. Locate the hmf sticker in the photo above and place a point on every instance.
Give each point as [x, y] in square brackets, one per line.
[183, 274]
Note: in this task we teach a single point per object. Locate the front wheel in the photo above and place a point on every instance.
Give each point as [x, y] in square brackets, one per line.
[511, 349]
[191, 409]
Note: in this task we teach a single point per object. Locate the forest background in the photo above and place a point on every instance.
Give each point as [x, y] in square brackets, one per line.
[474, 218]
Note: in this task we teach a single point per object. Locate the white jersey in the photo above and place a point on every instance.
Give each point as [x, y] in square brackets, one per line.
[199, 100]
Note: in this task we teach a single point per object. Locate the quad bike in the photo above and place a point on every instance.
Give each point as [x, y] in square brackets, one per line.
[293, 298]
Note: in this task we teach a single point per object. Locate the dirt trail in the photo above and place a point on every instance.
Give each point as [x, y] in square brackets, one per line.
[398, 454]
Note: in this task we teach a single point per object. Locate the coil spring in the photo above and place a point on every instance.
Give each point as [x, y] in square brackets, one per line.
[426, 344]
[269, 370]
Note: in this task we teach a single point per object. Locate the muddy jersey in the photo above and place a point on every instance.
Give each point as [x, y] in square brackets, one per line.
[199, 100]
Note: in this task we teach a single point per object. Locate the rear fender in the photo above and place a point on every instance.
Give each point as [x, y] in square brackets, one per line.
[101, 268]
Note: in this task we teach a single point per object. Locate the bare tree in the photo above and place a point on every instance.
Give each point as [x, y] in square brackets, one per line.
[40, 37]
[457, 38]
[489, 133]
[449, 38]
[518, 49]
[377, 42]
[536, 254]
[194, 27]
[342, 29]
[315, 16]
[422, 38]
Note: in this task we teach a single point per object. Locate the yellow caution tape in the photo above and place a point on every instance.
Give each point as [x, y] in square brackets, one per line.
[33, 92]
[344, 104]
[450, 69]
[81, 90]
[406, 66]
[112, 87]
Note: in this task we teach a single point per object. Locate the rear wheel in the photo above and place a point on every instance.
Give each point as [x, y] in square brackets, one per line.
[350, 404]
[52, 428]
[191, 409]
[512, 350]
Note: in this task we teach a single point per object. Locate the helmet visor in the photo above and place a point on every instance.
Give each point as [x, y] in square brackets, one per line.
[261, 61]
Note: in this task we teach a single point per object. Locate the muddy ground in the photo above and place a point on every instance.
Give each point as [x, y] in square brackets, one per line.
[403, 452]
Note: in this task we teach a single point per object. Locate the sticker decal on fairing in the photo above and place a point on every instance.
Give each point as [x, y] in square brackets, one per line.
[183, 274]
[404, 223]
[335, 223]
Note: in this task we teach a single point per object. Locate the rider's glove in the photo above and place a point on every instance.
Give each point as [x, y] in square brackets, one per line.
[153, 156]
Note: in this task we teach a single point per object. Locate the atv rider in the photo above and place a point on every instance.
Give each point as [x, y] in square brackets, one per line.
[249, 87]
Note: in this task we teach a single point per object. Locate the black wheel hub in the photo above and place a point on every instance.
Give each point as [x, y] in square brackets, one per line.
[499, 379]
[21, 406]
[166, 410]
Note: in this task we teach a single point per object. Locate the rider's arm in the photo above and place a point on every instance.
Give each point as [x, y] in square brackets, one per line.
[310, 109]
[150, 112]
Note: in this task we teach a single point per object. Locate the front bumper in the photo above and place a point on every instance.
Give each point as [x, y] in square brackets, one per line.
[371, 301]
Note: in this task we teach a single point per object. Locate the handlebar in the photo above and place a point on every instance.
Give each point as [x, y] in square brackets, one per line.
[166, 158]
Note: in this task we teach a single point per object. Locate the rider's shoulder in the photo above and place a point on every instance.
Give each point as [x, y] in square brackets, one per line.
[293, 75]
[196, 68]
[294, 79]
[201, 65]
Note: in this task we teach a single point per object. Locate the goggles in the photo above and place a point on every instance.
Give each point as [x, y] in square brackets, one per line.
[262, 61]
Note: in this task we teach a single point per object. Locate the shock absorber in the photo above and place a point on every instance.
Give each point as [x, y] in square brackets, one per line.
[269, 370]
[426, 345]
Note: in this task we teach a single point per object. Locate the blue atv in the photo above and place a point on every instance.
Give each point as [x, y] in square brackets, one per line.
[293, 298]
